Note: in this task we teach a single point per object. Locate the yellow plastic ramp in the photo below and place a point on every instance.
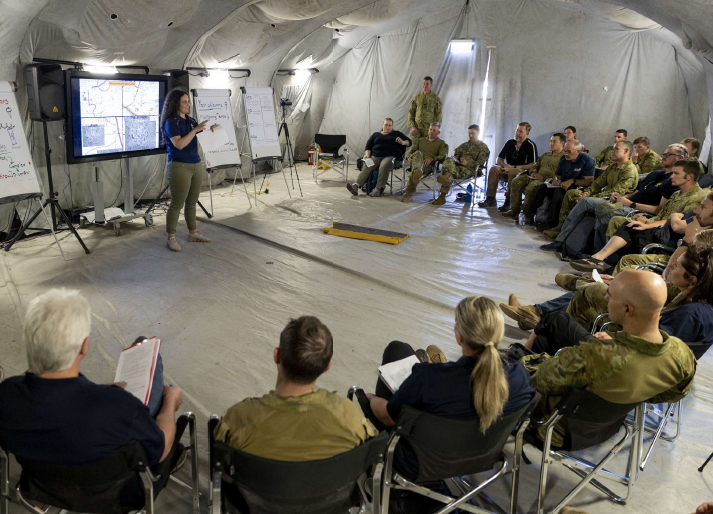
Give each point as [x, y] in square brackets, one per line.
[365, 233]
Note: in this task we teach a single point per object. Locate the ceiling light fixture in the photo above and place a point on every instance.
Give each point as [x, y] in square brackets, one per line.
[462, 46]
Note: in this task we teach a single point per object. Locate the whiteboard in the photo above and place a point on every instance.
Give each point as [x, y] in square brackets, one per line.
[261, 123]
[214, 105]
[18, 177]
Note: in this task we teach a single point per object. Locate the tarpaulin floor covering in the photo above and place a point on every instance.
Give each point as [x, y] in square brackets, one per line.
[219, 309]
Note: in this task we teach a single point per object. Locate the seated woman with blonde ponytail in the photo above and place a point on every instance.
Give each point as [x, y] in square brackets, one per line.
[483, 384]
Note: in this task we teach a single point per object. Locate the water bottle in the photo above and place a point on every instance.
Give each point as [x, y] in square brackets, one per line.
[521, 219]
[469, 194]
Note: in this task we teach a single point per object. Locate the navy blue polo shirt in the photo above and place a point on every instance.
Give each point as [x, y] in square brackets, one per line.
[446, 390]
[583, 166]
[653, 187]
[691, 323]
[181, 127]
[74, 421]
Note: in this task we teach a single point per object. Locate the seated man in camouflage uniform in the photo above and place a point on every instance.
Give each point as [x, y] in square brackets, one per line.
[604, 159]
[620, 177]
[628, 235]
[639, 363]
[423, 154]
[467, 160]
[644, 158]
[528, 181]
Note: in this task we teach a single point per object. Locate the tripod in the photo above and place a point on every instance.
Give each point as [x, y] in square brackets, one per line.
[158, 198]
[288, 149]
[51, 201]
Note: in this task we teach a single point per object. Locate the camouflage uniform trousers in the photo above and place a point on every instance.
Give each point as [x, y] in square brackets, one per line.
[589, 301]
[568, 203]
[417, 170]
[519, 184]
[450, 171]
[422, 131]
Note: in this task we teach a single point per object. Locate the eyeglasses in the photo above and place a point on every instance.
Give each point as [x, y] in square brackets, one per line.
[666, 154]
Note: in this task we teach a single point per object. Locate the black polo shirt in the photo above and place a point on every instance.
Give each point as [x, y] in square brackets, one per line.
[74, 421]
[385, 145]
[656, 185]
[445, 390]
[526, 154]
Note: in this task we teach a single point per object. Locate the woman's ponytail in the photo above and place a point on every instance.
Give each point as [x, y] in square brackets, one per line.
[480, 323]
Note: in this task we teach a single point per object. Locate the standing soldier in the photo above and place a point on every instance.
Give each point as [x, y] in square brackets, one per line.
[426, 108]
[468, 159]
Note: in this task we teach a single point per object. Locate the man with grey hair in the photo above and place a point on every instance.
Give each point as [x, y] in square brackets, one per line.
[55, 414]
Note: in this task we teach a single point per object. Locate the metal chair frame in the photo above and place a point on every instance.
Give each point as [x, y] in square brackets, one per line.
[586, 470]
[146, 475]
[434, 173]
[472, 178]
[338, 163]
[469, 490]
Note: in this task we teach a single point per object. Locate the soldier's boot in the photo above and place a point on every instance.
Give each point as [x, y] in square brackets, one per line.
[512, 213]
[407, 197]
[553, 232]
[440, 179]
[526, 316]
[440, 200]
[568, 281]
[506, 206]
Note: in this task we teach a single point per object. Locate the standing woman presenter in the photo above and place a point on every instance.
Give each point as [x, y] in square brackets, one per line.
[184, 169]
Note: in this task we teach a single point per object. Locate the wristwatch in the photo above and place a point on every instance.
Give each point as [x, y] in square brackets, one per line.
[633, 205]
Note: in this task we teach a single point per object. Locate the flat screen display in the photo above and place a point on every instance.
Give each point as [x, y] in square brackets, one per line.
[114, 116]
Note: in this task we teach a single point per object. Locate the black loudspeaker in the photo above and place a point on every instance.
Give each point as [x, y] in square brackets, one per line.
[178, 79]
[45, 91]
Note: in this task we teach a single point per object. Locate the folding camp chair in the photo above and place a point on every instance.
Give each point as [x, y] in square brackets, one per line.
[473, 178]
[450, 450]
[319, 487]
[96, 487]
[331, 150]
[590, 421]
[425, 179]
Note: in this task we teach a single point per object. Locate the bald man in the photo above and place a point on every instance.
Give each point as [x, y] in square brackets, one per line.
[639, 363]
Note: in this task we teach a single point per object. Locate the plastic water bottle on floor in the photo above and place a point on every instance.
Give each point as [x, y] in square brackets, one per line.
[521, 219]
[469, 194]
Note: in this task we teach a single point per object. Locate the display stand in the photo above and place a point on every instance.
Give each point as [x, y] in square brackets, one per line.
[53, 204]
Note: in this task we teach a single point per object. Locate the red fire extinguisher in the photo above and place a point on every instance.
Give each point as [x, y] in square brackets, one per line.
[311, 155]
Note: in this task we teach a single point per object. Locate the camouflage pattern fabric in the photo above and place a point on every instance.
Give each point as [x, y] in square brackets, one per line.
[424, 110]
[624, 369]
[604, 159]
[546, 166]
[649, 162]
[475, 155]
[622, 180]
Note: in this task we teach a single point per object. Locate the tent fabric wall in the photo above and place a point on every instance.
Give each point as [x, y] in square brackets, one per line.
[542, 70]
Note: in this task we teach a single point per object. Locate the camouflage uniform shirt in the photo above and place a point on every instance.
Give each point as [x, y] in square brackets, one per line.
[604, 159]
[424, 110]
[649, 162]
[621, 180]
[475, 154]
[682, 203]
[625, 369]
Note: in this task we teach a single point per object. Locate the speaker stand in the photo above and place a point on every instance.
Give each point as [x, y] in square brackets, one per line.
[52, 202]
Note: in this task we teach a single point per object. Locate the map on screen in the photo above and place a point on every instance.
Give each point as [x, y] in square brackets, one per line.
[117, 115]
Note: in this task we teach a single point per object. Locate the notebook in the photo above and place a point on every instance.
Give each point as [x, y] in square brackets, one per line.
[395, 373]
[137, 365]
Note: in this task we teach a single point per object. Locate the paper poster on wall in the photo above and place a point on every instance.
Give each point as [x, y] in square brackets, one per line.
[221, 147]
[261, 123]
[18, 177]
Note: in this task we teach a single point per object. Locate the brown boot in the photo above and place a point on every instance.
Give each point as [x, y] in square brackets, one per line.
[512, 213]
[440, 200]
[568, 281]
[407, 197]
[526, 316]
[513, 301]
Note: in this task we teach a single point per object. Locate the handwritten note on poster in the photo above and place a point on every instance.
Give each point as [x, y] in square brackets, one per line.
[262, 124]
[18, 178]
[214, 105]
